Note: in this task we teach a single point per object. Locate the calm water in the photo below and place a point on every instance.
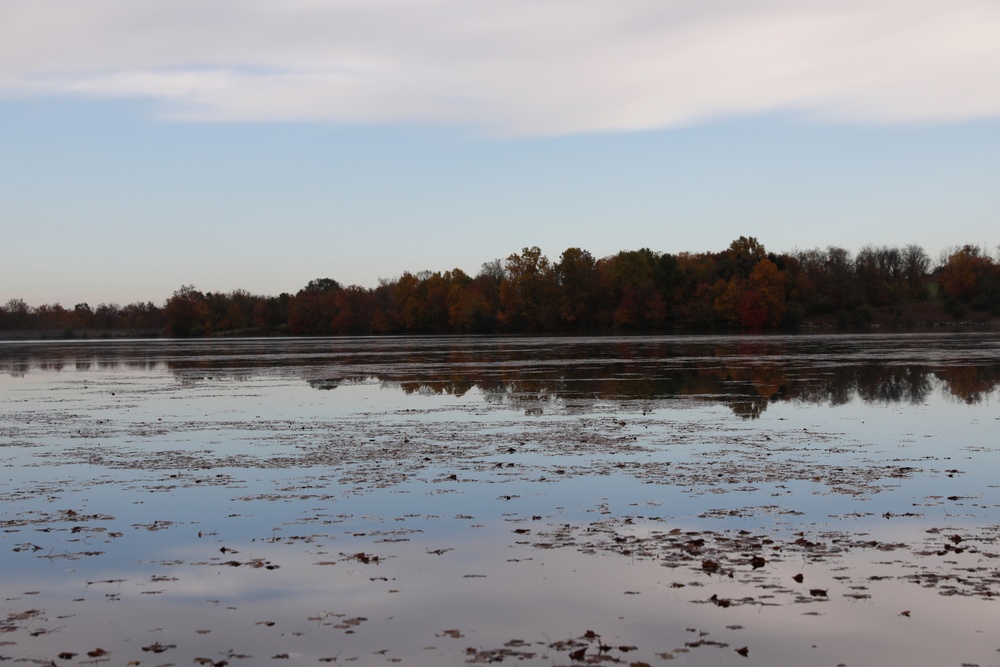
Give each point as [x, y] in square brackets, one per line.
[779, 500]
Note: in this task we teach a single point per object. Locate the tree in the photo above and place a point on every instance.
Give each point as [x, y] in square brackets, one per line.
[576, 277]
[527, 291]
[322, 285]
[313, 307]
[755, 302]
[474, 306]
[966, 273]
[83, 316]
[187, 313]
[354, 309]
[916, 265]
[741, 256]
[768, 284]
[879, 272]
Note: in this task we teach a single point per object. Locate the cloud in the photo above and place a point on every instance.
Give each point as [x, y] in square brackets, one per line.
[531, 67]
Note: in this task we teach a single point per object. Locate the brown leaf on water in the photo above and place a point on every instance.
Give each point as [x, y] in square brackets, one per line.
[578, 655]
[66, 655]
[905, 613]
[454, 634]
[799, 578]
[721, 602]
[709, 565]
[590, 634]
[97, 652]
[818, 592]
[743, 651]
[757, 562]
[157, 647]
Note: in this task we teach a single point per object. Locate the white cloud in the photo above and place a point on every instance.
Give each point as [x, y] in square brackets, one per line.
[514, 66]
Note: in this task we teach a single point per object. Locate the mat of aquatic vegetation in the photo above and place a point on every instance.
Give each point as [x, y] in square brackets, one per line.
[138, 532]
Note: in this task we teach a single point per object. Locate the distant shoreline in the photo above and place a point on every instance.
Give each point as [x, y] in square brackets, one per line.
[886, 325]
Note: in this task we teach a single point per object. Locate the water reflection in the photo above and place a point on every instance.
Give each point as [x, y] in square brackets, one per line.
[266, 500]
[746, 373]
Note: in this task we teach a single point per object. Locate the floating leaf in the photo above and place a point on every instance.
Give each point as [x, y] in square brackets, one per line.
[157, 647]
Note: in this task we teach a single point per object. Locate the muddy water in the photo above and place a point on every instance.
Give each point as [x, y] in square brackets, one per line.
[539, 501]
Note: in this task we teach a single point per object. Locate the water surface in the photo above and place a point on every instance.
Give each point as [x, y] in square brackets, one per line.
[771, 500]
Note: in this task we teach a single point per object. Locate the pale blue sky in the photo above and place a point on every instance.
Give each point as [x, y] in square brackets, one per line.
[148, 145]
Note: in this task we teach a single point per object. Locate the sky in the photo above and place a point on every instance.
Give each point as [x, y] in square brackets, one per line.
[259, 144]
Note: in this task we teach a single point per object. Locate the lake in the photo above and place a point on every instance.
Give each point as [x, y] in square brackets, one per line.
[747, 500]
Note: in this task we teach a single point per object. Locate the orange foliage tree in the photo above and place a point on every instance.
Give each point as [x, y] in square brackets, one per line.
[965, 273]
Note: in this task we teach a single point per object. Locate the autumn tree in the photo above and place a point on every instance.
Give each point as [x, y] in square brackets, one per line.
[54, 316]
[83, 316]
[639, 281]
[271, 313]
[353, 311]
[474, 305]
[966, 273]
[755, 302]
[107, 316]
[527, 292]
[313, 308]
[187, 313]
[142, 316]
[767, 285]
[741, 257]
[576, 277]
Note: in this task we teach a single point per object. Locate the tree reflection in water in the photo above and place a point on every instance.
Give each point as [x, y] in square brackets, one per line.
[746, 373]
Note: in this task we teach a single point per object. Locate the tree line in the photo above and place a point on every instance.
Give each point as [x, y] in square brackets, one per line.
[743, 287]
